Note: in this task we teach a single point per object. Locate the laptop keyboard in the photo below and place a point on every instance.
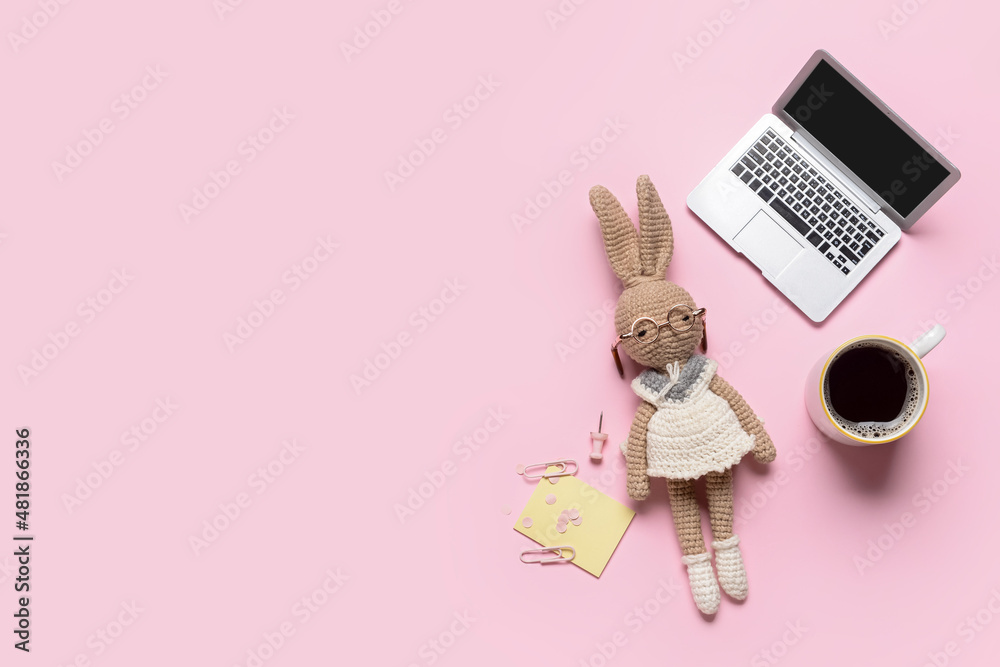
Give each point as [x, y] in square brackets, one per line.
[814, 206]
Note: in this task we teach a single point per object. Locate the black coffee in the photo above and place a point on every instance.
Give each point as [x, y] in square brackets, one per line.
[868, 384]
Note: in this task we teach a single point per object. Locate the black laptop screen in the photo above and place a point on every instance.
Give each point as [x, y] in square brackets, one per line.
[865, 139]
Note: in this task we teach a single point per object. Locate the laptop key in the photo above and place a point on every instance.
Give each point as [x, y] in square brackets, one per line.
[846, 271]
[815, 239]
[788, 214]
[748, 162]
[824, 247]
[865, 248]
[765, 194]
[756, 156]
[850, 255]
[738, 169]
[747, 175]
[872, 237]
[837, 264]
[829, 256]
[755, 185]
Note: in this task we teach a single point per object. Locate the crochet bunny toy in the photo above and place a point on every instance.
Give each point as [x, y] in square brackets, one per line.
[691, 423]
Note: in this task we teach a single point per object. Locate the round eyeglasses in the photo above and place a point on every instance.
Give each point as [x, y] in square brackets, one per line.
[680, 318]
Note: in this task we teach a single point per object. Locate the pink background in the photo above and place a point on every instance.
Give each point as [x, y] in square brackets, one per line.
[522, 294]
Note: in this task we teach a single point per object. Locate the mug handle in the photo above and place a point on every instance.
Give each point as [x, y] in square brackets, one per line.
[928, 340]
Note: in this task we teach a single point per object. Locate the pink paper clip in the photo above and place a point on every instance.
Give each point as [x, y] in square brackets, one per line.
[555, 552]
[563, 470]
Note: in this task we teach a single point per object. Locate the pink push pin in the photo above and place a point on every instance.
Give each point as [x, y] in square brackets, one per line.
[598, 439]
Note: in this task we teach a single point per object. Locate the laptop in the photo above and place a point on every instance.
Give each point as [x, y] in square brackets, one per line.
[819, 190]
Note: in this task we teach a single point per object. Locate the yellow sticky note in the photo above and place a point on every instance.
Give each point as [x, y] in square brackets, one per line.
[603, 520]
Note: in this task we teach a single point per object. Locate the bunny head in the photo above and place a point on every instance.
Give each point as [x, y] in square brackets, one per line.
[641, 261]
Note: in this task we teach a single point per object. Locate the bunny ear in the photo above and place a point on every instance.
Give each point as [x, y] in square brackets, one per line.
[620, 239]
[656, 235]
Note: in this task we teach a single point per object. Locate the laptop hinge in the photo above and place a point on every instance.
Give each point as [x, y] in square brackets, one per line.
[842, 178]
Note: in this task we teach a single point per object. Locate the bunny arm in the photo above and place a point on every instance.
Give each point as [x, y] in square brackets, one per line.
[635, 454]
[763, 449]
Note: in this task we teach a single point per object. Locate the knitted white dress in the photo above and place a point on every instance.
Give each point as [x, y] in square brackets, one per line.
[693, 431]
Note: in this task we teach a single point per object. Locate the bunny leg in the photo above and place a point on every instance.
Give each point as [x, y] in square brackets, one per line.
[728, 559]
[687, 521]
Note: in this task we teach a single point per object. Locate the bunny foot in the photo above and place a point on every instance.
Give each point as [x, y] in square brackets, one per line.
[704, 587]
[729, 563]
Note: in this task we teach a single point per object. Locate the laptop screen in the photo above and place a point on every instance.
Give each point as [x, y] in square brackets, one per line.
[865, 139]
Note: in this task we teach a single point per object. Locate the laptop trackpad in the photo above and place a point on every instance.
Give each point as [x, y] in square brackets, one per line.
[767, 244]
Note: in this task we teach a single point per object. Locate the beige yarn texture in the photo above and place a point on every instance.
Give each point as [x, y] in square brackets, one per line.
[640, 260]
